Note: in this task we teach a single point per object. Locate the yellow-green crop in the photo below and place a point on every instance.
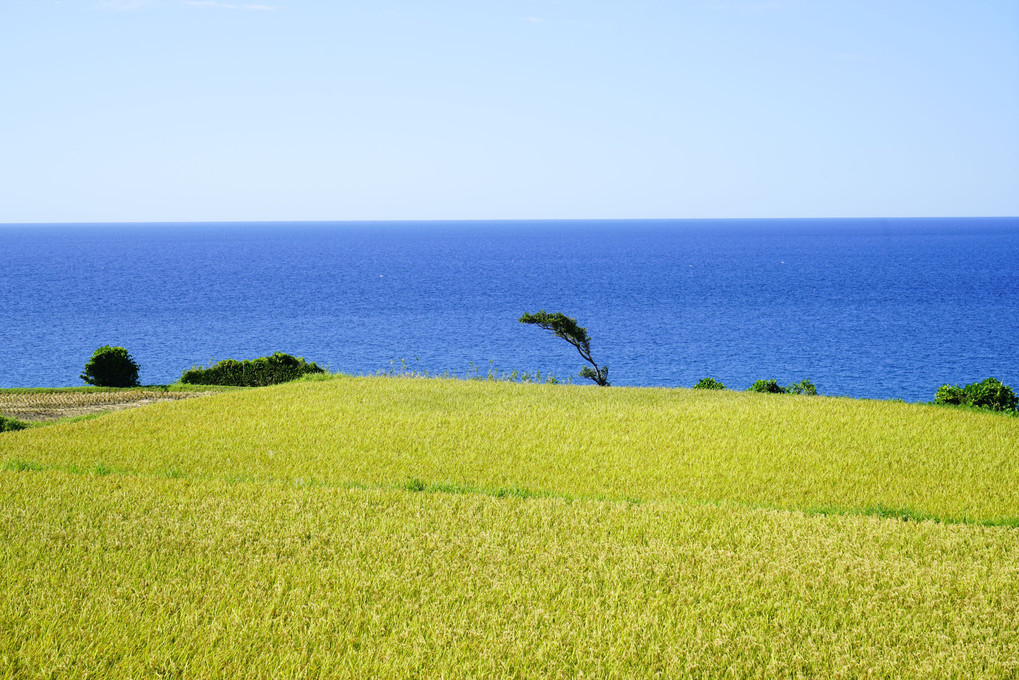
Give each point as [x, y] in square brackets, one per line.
[771, 450]
[434, 528]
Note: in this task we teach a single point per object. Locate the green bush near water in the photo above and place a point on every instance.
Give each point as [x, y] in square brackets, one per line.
[988, 394]
[802, 387]
[270, 370]
[766, 387]
[772, 387]
[708, 384]
[111, 367]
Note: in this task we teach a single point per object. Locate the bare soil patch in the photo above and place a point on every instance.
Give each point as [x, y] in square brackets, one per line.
[48, 406]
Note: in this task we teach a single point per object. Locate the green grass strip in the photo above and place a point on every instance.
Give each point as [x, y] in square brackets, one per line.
[415, 485]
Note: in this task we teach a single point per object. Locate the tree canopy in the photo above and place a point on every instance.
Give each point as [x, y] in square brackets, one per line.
[569, 330]
[111, 367]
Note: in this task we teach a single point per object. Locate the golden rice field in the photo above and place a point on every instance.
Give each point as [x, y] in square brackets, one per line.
[396, 527]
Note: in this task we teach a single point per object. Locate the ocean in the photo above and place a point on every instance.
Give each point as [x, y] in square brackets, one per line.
[869, 308]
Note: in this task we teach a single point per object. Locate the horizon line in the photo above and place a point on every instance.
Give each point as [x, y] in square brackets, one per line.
[506, 220]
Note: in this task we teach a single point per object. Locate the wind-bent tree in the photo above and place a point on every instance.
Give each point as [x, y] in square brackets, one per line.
[566, 328]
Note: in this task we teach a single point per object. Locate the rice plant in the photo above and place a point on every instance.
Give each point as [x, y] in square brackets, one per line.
[413, 527]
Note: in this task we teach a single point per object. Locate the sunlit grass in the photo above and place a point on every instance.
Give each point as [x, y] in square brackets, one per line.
[648, 444]
[407, 527]
[141, 577]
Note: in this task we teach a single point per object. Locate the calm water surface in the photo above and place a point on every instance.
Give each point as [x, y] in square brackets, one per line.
[866, 308]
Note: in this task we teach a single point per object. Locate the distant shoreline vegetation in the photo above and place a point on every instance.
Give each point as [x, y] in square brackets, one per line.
[989, 395]
[271, 370]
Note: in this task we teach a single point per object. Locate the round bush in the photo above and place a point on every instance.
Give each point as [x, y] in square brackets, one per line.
[766, 386]
[992, 394]
[709, 384]
[111, 367]
[950, 394]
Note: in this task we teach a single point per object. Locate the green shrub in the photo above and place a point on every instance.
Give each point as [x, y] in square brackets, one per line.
[772, 387]
[11, 424]
[951, 395]
[766, 386]
[111, 367]
[992, 394]
[271, 370]
[988, 394]
[709, 384]
[802, 387]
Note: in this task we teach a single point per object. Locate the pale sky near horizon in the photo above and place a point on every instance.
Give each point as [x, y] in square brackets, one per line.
[176, 110]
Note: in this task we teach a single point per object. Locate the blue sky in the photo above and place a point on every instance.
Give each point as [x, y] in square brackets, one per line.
[170, 110]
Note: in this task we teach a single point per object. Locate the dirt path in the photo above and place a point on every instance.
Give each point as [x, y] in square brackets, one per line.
[46, 406]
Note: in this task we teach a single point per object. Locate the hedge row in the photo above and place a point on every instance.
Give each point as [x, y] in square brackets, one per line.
[271, 370]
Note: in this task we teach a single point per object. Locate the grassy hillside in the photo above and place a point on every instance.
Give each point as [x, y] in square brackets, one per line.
[644, 444]
[408, 527]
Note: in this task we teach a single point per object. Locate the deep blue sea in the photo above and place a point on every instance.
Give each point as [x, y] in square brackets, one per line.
[877, 308]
